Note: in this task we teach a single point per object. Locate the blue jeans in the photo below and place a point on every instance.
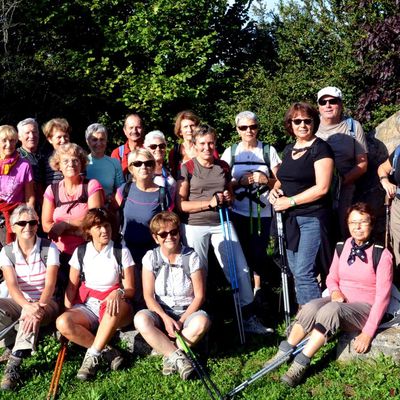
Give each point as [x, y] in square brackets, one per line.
[302, 262]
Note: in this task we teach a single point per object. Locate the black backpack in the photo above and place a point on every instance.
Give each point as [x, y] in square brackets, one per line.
[83, 198]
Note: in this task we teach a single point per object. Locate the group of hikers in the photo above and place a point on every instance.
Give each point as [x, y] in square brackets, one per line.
[125, 239]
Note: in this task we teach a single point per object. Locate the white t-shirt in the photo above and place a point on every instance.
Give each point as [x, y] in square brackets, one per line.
[172, 286]
[242, 207]
[101, 269]
[31, 275]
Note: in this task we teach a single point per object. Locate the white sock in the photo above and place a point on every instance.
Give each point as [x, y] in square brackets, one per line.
[93, 352]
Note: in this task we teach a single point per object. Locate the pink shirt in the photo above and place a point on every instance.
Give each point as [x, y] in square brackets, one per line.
[68, 243]
[360, 284]
[12, 186]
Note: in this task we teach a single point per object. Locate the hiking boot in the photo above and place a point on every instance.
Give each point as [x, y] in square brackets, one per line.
[177, 361]
[11, 373]
[112, 357]
[6, 355]
[253, 325]
[88, 368]
[294, 374]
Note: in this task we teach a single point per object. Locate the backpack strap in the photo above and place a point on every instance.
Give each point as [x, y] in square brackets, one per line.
[43, 248]
[395, 160]
[81, 254]
[162, 198]
[377, 251]
[177, 157]
[83, 198]
[121, 151]
[125, 193]
[117, 251]
[190, 168]
[8, 249]
[55, 190]
[350, 127]
[233, 154]
[266, 152]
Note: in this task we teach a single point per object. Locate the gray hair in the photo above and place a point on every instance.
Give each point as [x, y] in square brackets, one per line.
[203, 130]
[133, 155]
[153, 135]
[27, 121]
[247, 115]
[93, 128]
[22, 209]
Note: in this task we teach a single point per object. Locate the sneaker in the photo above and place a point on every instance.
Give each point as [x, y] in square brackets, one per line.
[294, 374]
[89, 367]
[253, 325]
[11, 373]
[169, 367]
[112, 357]
[177, 361]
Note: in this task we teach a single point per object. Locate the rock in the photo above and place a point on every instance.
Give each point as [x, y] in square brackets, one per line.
[134, 342]
[388, 132]
[386, 342]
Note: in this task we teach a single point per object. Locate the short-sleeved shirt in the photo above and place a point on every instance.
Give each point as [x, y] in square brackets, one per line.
[203, 183]
[107, 171]
[68, 243]
[12, 185]
[238, 170]
[31, 274]
[298, 175]
[173, 286]
[345, 147]
[140, 207]
[101, 268]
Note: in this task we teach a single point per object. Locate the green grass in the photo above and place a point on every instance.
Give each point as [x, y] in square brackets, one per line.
[142, 379]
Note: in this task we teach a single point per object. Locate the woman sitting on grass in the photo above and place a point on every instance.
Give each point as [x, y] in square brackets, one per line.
[101, 282]
[30, 267]
[359, 296]
[174, 290]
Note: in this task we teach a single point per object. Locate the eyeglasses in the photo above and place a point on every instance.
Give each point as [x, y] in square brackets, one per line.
[362, 223]
[323, 102]
[298, 121]
[161, 146]
[244, 128]
[173, 232]
[147, 164]
[32, 222]
[73, 161]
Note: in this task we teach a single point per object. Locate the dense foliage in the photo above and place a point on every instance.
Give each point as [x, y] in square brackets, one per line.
[96, 60]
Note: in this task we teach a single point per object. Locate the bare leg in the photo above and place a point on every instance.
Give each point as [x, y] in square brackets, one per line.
[74, 325]
[109, 325]
[296, 335]
[152, 335]
[196, 329]
[316, 341]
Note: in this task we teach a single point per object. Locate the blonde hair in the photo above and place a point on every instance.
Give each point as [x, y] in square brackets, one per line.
[56, 123]
[8, 131]
[69, 149]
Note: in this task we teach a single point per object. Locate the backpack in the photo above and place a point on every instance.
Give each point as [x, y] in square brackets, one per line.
[117, 251]
[43, 248]
[83, 198]
[159, 263]
[395, 160]
[266, 151]
[351, 127]
[121, 151]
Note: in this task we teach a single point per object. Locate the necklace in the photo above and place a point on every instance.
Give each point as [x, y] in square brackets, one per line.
[300, 150]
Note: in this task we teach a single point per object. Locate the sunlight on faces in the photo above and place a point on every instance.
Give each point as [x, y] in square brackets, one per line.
[29, 137]
[133, 128]
[247, 129]
[8, 145]
[70, 165]
[29, 230]
[101, 234]
[58, 137]
[205, 145]
[360, 226]
[159, 151]
[168, 236]
[143, 171]
[303, 131]
[330, 113]
[187, 128]
[97, 143]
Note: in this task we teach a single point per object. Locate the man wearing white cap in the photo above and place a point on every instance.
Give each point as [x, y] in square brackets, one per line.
[347, 139]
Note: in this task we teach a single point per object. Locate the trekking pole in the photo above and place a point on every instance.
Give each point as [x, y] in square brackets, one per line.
[7, 329]
[268, 368]
[205, 378]
[55, 379]
[284, 267]
[387, 221]
[232, 268]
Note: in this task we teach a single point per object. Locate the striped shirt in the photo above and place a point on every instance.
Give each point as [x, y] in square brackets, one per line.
[31, 273]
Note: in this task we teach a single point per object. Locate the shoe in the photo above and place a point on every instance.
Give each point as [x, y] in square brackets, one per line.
[283, 355]
[11, 373]
[112, 357]
[88, 368]
[177, 361]
[294, 374]
[253, 325]
[6, 355]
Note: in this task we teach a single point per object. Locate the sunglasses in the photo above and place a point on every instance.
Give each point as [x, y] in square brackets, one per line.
[161, 146]
[323, 102]
[245, 127]
[173, 232]
[147, 163]
[298, 121]
[32, 222]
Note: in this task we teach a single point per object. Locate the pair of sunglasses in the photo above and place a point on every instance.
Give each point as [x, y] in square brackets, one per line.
[323, 102]
[244, 128]
[164, 235]
[298, 121]
[22, 224]
[147, 163]
[161, 146]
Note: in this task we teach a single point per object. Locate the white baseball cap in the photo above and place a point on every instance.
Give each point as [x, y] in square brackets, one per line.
[330, 91]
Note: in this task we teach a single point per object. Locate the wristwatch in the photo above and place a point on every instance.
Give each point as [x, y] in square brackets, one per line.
[121, 291]
[292, 202]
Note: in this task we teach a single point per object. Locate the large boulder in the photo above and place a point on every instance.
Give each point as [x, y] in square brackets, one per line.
[386, 342]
